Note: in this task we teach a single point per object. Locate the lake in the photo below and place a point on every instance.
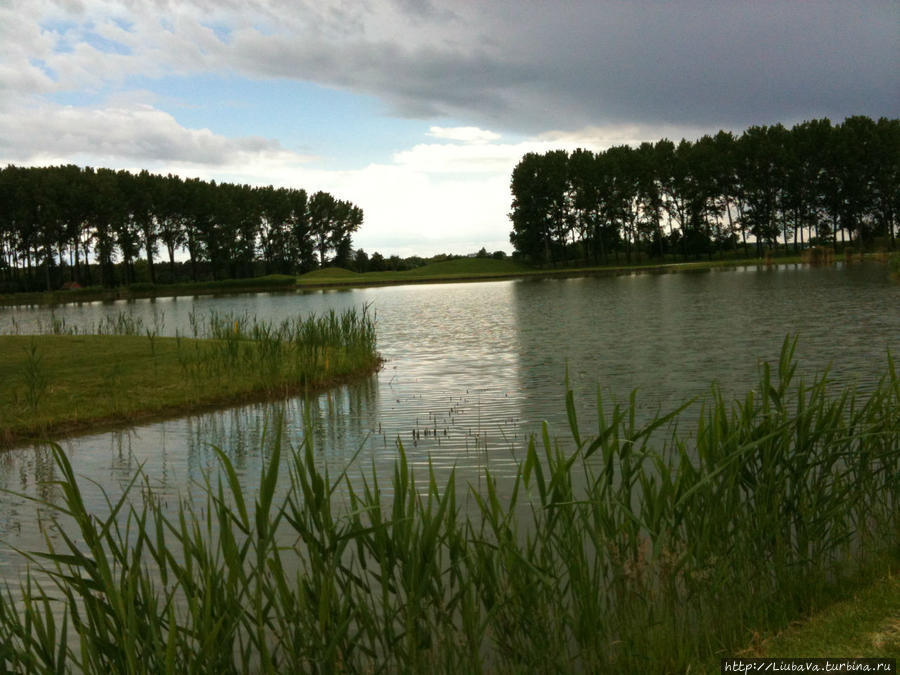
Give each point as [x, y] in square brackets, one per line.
[473, 369]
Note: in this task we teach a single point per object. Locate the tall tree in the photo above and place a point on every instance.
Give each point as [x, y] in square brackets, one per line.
[169, 196]
[322, 213]
[539, 208]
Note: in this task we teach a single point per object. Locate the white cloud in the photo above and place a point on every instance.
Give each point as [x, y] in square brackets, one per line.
[408, 212]
[110, 136]
[601, 137]
[459, 158]
[463, 134]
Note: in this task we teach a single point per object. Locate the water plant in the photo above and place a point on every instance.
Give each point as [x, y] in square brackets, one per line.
[35, 377]
[894, 266]
[818, 255]
[632, 549]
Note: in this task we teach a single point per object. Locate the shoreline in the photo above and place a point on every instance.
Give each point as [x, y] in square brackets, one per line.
[73, 428]
[54, 387]
[324, 282]
[557, 273]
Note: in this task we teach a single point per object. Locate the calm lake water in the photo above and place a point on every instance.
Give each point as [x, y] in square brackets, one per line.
[480, 366]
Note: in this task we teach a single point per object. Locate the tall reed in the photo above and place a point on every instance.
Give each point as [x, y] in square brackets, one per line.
[35, 376]
[632, 549]
[296, 350]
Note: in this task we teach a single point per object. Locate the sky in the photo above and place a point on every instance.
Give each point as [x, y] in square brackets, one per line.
[417, 111]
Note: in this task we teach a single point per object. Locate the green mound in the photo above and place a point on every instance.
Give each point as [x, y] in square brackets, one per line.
[464, 266]
[328, 272]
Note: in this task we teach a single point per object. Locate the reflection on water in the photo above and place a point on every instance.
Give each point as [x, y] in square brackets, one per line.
[473, 369]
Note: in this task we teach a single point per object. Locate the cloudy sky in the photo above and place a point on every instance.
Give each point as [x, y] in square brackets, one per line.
[417, 111]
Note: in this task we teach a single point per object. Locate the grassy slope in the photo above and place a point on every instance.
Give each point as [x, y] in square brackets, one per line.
[469, 266]
[94, 380]
[475, 269]
[330, 273]
[447, 270]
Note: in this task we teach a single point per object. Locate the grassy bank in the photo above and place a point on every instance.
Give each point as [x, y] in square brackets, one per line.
[486, 269]
[621, 553]
[51, 385]
[447, 271]
[865, 624]
[274, 282]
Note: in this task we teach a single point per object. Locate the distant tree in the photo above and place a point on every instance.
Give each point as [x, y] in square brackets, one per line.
[200, 235]
[376, 262]
[144, 212]
[804, 163]
[726, 187]
[585, 204]
[347, 220]
[56, 217]
[274, 233]
[886, 185]
[854, 176]
[761, 170]
[321, 216]
[649, 199]
[169, 198]
[539, 214]
[302, 245]
[361, 261]
[775, 185]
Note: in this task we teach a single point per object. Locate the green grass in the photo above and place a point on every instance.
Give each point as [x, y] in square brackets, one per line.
[864, 625]
[329, 272]
[894, 266]
[52, 385]
[148, 290]
[633, 549]
[447, 271]
[458, 269]
[479, 269]
[469, 266]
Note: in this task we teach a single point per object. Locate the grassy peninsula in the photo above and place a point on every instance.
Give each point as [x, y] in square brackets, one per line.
[52, 385]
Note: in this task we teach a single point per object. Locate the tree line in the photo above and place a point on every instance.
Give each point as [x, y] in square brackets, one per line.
[55, 221]
[814, 184]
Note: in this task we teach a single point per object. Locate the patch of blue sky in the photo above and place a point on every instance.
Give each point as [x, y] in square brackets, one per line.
[70, 33]
[124, 24]
[222, 31]
[63, 30]
[79, 98]
[105, 45]
[343, 130]
[40, 63]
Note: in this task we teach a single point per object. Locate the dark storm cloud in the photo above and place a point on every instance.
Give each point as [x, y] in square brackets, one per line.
[527, 66]
[533, 66]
